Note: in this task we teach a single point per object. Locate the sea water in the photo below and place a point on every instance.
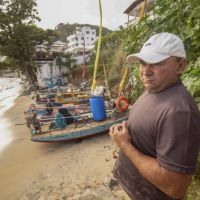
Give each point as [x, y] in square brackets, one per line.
[10, 89]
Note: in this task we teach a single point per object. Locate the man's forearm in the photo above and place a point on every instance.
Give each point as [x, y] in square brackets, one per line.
[171, 183]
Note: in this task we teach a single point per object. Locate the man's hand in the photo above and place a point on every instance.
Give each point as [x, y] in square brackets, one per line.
[120, 134]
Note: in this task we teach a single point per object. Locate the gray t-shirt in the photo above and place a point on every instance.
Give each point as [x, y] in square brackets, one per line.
[166, 126]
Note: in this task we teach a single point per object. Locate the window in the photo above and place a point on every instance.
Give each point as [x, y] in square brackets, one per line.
[87, 32]
[82, 38]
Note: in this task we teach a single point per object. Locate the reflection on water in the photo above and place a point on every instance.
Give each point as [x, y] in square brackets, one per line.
[5, 134]
[9, 90]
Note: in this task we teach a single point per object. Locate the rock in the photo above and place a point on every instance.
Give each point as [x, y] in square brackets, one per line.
[111, 182]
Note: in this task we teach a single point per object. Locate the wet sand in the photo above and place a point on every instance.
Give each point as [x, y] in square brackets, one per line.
[55, 171]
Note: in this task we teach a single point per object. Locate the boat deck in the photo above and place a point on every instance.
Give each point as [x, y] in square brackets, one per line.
[82, 127]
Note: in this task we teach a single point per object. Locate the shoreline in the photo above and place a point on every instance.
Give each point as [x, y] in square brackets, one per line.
[43, 171]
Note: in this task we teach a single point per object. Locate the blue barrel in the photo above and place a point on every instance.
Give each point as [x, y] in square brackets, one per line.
[98, 108]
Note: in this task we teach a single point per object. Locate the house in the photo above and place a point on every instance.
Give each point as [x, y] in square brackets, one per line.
[58, 46]
[2, 58]
[81, 43]
[40, 48]
[133, 11]
[48, 73]
[84, 37]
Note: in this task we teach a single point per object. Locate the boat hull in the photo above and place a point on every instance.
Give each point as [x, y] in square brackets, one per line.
[78, 134]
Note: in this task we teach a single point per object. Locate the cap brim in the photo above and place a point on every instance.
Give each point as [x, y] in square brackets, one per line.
[149, 57]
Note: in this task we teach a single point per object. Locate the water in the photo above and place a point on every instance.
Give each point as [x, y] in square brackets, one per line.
[9, 90]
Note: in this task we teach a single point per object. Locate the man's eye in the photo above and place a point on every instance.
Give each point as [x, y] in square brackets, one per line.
[160, 64]
[142, 63]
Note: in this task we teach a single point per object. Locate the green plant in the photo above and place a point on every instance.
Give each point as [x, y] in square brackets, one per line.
[193, 192]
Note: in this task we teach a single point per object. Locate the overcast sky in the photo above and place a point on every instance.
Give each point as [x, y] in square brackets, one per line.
[53, 12]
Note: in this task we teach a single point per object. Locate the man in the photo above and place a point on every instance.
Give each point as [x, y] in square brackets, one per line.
[159, 144]
[49, 106]
[59, 121]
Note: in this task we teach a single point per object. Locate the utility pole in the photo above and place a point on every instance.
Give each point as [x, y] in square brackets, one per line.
[83, 73]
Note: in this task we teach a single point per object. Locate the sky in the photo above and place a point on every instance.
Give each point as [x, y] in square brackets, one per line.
[53, 12]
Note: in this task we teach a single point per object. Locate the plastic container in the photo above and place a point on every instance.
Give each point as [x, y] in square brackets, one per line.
[98, 108]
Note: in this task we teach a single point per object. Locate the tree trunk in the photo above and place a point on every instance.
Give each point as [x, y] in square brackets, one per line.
[30, 74]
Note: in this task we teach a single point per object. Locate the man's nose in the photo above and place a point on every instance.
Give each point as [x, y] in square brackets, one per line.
[147, 69]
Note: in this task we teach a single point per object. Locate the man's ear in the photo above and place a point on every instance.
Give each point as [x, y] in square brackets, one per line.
[181, 66]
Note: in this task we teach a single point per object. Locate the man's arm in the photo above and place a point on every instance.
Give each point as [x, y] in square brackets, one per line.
[172, 183]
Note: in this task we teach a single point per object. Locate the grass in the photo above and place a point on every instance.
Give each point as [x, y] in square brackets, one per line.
[194, 189]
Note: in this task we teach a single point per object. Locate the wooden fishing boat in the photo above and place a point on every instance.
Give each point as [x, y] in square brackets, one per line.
[74, 100]
[43, 117]
[42, 98]
[83, 127]
[62, 98]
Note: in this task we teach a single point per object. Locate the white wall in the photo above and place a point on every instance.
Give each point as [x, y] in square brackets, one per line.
[85, 35]
[47, 70]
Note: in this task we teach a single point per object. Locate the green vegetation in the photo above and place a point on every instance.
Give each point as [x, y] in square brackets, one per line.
[181, 17]
[65, 60]
[19, 35]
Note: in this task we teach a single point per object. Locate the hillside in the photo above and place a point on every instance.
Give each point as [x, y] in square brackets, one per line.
[64, 30]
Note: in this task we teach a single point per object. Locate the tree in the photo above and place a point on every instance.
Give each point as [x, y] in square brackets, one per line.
[66, 60]
[18, 34]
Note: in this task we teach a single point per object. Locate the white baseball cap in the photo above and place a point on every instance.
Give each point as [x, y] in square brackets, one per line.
[158, 48]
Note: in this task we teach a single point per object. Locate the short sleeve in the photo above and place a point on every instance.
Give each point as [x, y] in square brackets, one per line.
[178, 141]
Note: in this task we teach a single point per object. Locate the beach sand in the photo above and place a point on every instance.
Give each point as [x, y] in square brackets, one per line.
[55, 171]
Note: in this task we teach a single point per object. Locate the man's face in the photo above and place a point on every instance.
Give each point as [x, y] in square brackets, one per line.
[159, 76]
